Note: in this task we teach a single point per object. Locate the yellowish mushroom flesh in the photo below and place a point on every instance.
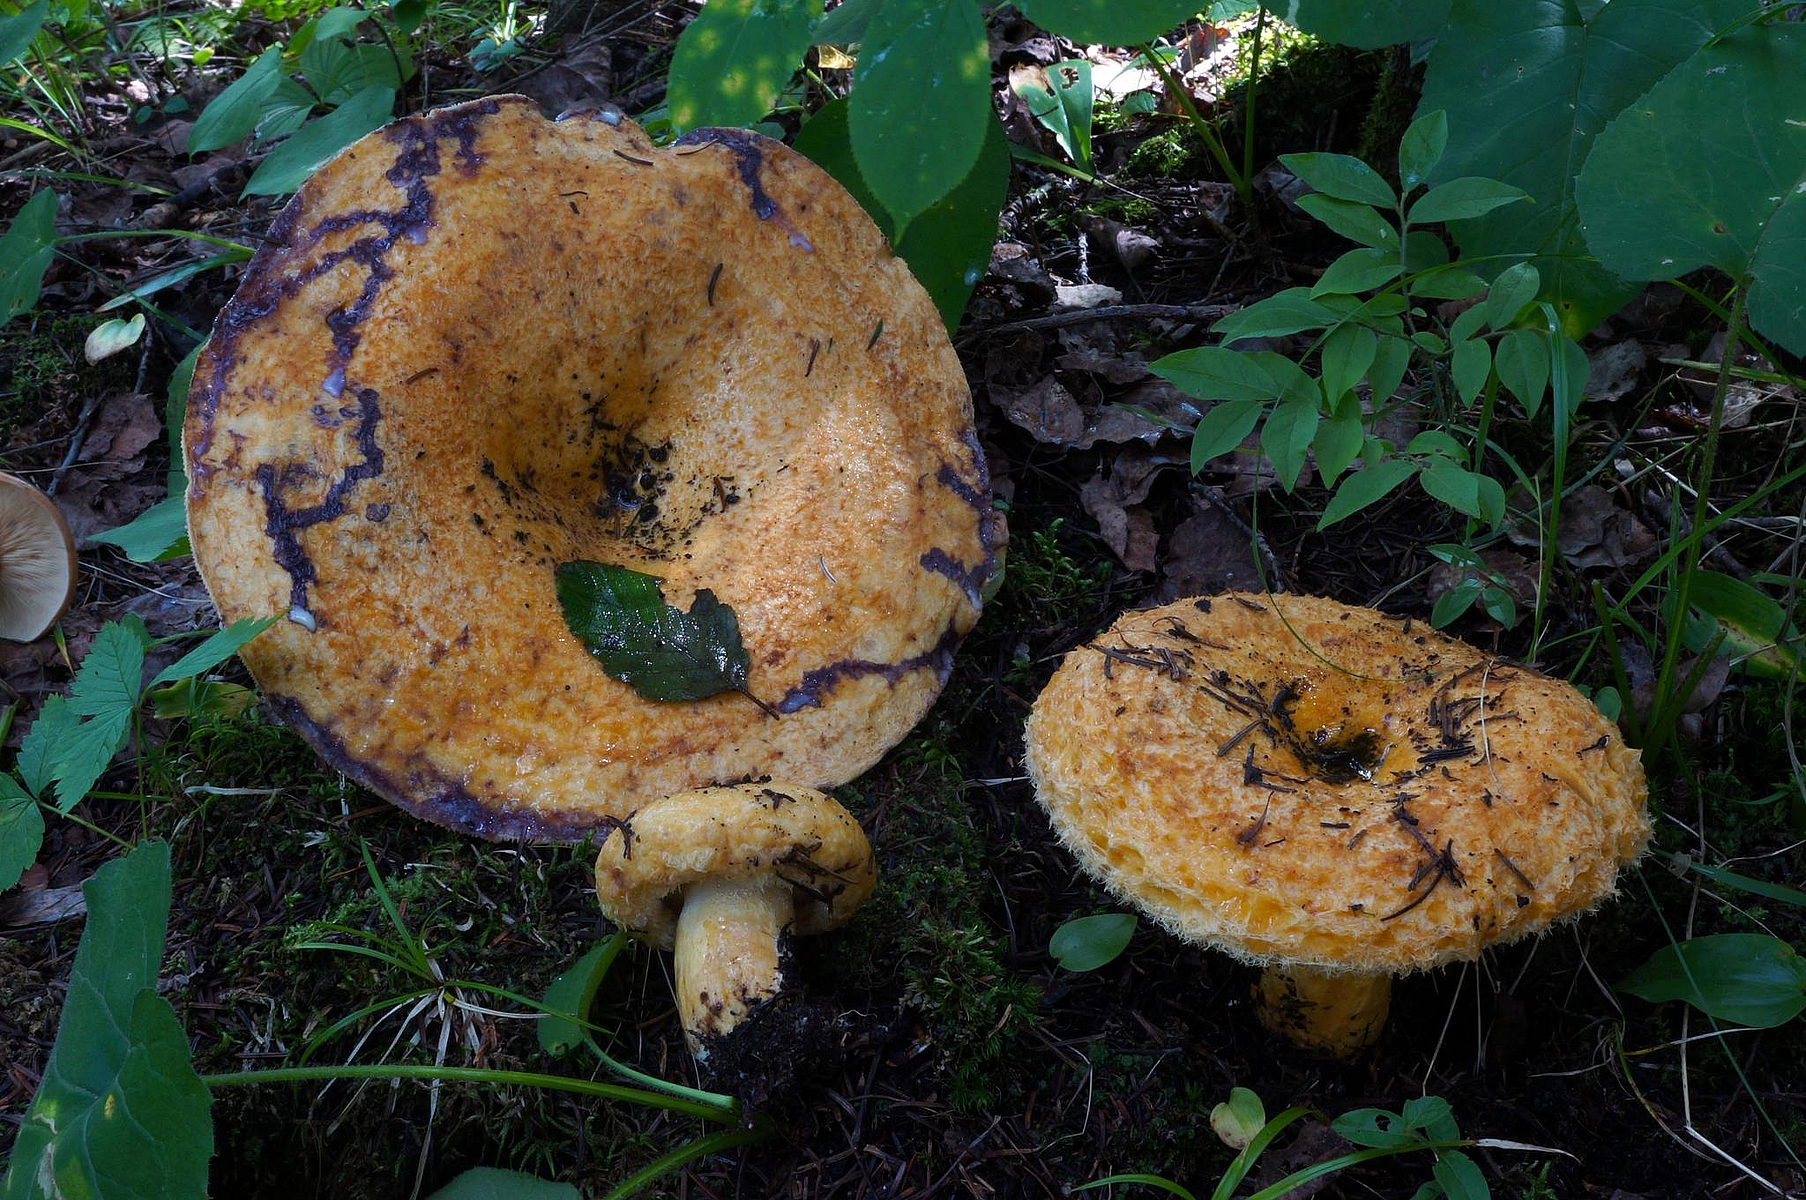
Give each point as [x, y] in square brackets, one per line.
[727, 955]
[1337, 1013]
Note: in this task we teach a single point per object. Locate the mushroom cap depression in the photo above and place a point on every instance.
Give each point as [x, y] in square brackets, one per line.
[1295, 780]
[37, 561]
[479, 344]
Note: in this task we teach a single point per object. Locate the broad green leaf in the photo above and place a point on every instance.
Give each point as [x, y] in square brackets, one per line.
[572, 993]
[1087, 943]
[1430, 343]
[1366, 24]
[1709, 169]
[1060, 98]
[1364, 487]
[846, 25]
[120, 1112]
[1527, 87]
[1492, 509]
[494, 1183]
[234, 113]
[175, 411]
[1437, 442]
[1391, 359]
[157, 533]
[1448, 283]
[21, 831]
[337, 68]
[1468, 323]
[290, 164]
[1343, 177]
[1513, 291]
[1451, 604]
[1522, 361]
[284, 112]
[1471, 364]
[1460, 1177]
[1338, 443]
[1287, 436]
[1357, 222]
[1748, 978]
[1238, 1119]
[1424, 250]
[1358, 271]
[110, 337]
[1109, 22]
[1293, 382]
[1462, 200]
[1756, 633]
[25, 254]
[219, 646]
[1456, 487]
[19, 30]
[734, 60]
[921, 101]
[1374, 1127]
[1432, 1116]
[660, 651]
[1421, 148]
[1346, 355]
[1222, 429]
[1290, 311]
[949, 245]
[1213, 373]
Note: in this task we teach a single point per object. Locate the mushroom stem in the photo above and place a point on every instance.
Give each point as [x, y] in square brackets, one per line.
[727, 953]
[1338, 1013]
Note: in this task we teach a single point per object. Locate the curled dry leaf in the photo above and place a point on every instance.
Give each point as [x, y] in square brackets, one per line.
[1208, 553]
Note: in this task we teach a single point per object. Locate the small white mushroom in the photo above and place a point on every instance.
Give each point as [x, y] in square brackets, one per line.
[37, 561]
[723, 877]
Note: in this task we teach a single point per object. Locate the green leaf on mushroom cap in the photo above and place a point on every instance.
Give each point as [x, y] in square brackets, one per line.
[662, 652]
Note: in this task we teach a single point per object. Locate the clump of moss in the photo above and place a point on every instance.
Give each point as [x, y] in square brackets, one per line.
[42, 369]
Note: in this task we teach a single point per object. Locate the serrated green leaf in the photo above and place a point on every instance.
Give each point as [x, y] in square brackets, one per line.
[494, 1183]
[1463, 199]
[1338, 442]
[306, 151]
[20, 29]
[1366, 24]
[219, 646]
[1109, 22]
[1512, 292]
[1470, 366]
[921, 101]
[108, 679]
[1346, 355]
[25, 254]
[1460, 1177]
[1358, 271]
[572, 993]
[1290, 311]
[21, 831]
[1527, 87]
[1287, 436]
[735, 59]
[1421, 148]
[660, 651]
[1222, 429]
[157, 533]
[1342, 176]
[1356, 222]
[1726, 131]
[1522, 361]
[1087, 943]
[1391, 359]
[1370, 484]
[1750, 978]
[1213, 373]
[234, 113]
[39, 748]
[120, 1112]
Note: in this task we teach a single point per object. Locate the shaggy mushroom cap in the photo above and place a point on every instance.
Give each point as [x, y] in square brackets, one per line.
[1302, 782]
[479, 344]
[37, 561]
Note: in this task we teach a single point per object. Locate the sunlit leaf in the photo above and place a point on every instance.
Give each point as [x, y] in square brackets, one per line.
[659, 650]
[735, 58]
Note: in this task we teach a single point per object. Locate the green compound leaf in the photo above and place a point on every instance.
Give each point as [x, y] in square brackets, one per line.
[1463, 199]
[1338, 442]
[1213, 373]
[1290, 311]
[21, 831]
[1087, 943]
[1471, 365]
[1109, 22]
[1366, 24]
[1749, 978]
[307, 150]
[1522, 361]
[734, 60]
[1358, 271]
[493, 1183]
[660, 651]
[921, 102]
[1513, 290]
[1527, 87]
[120, 1112]
[1709, 169]
[948, 246]
[1347, 353]
[1421, 148]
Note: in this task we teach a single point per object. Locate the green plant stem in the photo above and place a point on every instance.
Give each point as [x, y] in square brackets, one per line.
[1206, 129]
[1341, 1162]
[90, 826]
[430, 1074]
[1260, 27]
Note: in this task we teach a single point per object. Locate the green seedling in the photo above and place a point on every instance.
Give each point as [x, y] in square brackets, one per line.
[1087, 943]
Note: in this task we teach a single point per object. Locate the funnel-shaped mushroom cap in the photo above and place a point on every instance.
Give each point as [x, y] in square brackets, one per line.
[37, 561]
[480, 344]
[1296, 780]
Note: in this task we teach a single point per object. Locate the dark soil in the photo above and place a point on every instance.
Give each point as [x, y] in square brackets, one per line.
[962, 1061]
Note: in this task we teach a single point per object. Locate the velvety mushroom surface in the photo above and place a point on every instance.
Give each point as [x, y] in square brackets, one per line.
[479, 344]
[1300, 781]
